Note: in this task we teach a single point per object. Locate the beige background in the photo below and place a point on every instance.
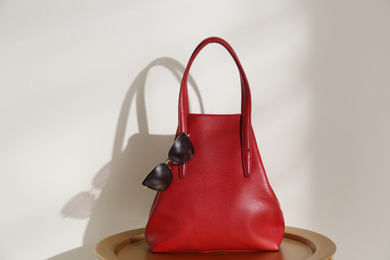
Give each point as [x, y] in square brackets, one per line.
[76, 75]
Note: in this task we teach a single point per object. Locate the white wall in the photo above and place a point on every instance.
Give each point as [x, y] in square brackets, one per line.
[71, 73]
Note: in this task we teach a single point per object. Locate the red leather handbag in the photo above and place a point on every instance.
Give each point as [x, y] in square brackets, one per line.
[221, 199]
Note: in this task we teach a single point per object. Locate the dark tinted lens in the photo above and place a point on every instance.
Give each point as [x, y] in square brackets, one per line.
[159, 178]
[182, 150]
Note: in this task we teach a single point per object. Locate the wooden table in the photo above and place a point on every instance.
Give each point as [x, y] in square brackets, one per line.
[297, 244]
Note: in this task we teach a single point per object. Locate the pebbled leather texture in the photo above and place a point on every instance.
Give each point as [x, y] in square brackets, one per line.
[223, 201]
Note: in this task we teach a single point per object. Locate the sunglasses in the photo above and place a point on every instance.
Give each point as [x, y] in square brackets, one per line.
[161, 176]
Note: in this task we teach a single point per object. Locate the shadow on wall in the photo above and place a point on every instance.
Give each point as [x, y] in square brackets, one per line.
[122, 203]
[349, 141]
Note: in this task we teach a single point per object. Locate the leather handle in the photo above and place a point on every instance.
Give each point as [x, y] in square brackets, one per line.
[246, 104]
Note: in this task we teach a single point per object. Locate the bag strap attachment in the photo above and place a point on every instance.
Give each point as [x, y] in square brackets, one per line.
[246, 105]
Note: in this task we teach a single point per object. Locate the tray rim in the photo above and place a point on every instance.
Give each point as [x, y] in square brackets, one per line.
[321, 251]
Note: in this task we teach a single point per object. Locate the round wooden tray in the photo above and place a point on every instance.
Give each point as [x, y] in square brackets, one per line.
[297, 244]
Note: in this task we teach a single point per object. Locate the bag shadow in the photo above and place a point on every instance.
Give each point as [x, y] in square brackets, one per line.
[117, 202]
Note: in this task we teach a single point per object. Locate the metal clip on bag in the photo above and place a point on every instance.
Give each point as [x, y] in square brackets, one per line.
[221, 199]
